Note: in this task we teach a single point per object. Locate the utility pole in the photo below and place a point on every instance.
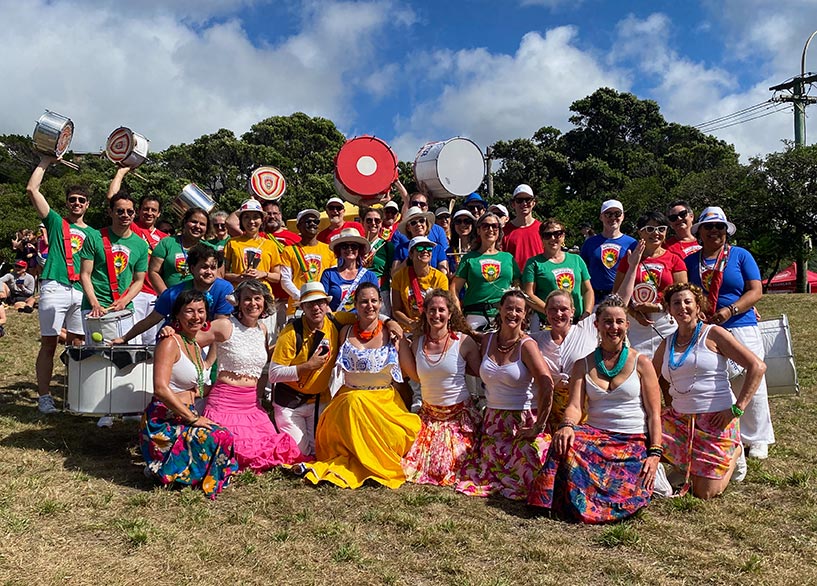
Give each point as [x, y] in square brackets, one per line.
[799, 99]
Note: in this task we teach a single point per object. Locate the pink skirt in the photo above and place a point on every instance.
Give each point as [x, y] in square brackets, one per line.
[709, 450]
[258, 446]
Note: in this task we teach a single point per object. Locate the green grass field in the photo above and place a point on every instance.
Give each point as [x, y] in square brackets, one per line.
[76, 509]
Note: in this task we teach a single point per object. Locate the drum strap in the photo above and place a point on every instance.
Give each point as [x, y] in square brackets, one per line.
[69, 252]
[414, 282]
[279, 243]
[300, 256]
[106, 244]
[717, 276]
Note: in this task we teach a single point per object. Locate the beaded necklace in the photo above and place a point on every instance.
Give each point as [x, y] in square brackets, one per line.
[617, 367]
[365, 335]
[444, 352]
[675, 364]
[196, 360]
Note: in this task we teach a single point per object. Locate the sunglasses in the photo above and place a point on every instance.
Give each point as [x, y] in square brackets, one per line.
[524, 201]
[475, 208]
[219, 226]
[419, 204]
[76, 199]
[463, 221]
[391, 211]
[420, 221]
[124, 212]
[679, 216]
[311, 221]
[334, 209]
[714, 226]
[420, 248]
[616, 214]
[653, 229]
[349, 246]
[555, 234]
[490, 226]
[373, 220]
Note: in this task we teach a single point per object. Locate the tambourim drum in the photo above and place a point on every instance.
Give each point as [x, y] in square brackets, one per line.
[365, 169]
[451, 168]
[52, 134]
[127, 148]
[267, 183]
[193, 197]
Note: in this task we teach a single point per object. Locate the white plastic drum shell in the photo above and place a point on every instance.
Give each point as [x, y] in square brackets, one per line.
[451, 168]
[97, 387]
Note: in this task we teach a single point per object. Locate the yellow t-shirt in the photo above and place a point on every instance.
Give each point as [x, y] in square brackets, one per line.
[307, 264]
[400, 282]
[237, 253]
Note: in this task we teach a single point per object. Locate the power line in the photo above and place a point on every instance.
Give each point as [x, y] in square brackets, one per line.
[780, 108]
[732, 115]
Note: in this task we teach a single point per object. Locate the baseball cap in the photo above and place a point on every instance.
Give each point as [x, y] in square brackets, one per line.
[307, 212]
[442, 211]
[21, 263]
[251, 205]
[523, 188]
[611, 204]
[335, 200]
[499, 209]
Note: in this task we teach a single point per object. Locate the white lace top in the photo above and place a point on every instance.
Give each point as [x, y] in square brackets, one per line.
[244, 352]
[366, 368]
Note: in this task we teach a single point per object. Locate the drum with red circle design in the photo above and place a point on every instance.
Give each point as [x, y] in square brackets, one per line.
[449, 168]
[267, 183]
[52, 134]
[365, 169]
[127, 148]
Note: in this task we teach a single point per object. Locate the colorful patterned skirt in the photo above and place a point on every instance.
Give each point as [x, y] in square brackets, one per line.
[177, 453]
[501, 463]
[561, 399]
[446, 438]
[363, 435]
[597, 480]
[258, 445]
[692, 443]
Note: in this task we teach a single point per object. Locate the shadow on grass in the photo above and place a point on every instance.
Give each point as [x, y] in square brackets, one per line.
[518, 509]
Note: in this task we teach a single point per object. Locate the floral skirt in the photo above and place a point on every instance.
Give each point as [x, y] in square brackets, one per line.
[258, 445]
[501, 463]
[446, 438]
[706, 450]
[178, 453]
[363, 435]
[597, 481]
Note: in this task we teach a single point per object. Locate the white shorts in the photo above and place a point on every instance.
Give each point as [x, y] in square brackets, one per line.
[143, 305]
[60, 307]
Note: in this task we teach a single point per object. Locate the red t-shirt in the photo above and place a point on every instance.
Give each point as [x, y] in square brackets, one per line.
[281, 238]
[682, 249]
[522, 242]
[326, 234]
[660, 275]
[152, 237]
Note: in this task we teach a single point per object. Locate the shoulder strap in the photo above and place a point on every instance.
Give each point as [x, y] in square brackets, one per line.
[69, 251]
[106, 244]
[298, 326]
[335, 322]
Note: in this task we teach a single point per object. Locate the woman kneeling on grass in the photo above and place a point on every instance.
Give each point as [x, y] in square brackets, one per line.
[438, 357]
[180, 446]
[701, 431]
[603, 471]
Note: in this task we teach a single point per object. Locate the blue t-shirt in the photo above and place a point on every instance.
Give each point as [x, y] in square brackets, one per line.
[437, 234]
[602, 255]
[335, 285]
[217, 306]
[740, 267]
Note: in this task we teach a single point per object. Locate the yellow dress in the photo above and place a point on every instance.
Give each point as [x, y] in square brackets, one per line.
[366, 430]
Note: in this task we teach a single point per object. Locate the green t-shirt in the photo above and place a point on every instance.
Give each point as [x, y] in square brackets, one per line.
[548, 276]
[487, 277]
[218, 244]
[55, 266]
[174, 260]
[381, 265]
[130, 255]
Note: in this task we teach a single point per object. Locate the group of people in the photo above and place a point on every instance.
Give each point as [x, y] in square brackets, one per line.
[461, 347]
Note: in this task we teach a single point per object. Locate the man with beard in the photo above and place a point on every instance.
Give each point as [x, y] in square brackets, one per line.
[304, 262]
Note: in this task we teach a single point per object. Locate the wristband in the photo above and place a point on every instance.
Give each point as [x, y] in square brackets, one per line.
[736, 411]
[564, 424]
[734, 309]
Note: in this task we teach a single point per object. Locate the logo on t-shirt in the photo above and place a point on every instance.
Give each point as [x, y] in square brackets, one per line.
[181, 264]
[652, 274]
[565, 279]
[314, 264]
[121, 254]
[609, 254]
[706, 279]
[490, 269]
[252, 257]
[77, 240]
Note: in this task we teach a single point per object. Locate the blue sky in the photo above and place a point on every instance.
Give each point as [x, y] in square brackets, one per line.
[405, 71]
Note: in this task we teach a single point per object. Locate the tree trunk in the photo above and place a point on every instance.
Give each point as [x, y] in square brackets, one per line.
[802, 266]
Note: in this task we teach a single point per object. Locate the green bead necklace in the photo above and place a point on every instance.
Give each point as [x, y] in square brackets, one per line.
[196, 360]
[619, 365]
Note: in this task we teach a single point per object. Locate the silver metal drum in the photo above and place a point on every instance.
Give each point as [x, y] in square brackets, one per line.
[192, 196]
[127, 148]
[52, 134]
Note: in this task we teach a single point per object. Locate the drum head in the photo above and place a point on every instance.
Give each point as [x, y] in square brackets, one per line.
[267, 183]
[366, 166]
[64, 140]
[461, 166]
[119, 145]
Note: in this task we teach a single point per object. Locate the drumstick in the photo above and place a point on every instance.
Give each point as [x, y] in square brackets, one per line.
[138, 175]
[73, 166]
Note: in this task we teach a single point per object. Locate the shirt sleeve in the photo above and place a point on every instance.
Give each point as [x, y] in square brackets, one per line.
[160, 251]
[582, 268]
[222, 306]
[529, 273]
[748, 266]
[163, 303]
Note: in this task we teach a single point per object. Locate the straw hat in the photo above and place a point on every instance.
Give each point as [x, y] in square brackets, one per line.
[413, 214]
[312, 291]
[349, 235]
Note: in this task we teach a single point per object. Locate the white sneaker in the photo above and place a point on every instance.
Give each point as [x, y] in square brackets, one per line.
[740, 468]
[662, 487]
[45, 404]
[759, 451]
[106, 421]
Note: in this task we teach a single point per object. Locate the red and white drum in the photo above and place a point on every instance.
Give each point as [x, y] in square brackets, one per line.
[365, 169]
[127, 148]
[267, 183]
[52, 134]
[450, 168]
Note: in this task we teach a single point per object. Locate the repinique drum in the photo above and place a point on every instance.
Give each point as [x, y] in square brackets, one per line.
[450, 168]
[108, 381]
[267, 183]
[112, 325]
[365, 169]
[192, 196]
[127, 148]
[781, 373]
[52, 134]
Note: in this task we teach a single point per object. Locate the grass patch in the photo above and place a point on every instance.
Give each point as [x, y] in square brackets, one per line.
[685, 504]
[619, 535]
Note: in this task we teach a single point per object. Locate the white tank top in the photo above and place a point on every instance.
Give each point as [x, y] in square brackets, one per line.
[509, 386]
[618, 410]
[581, 340]
[183, 376]
[701, 383]
[244, 352]
[442, 383]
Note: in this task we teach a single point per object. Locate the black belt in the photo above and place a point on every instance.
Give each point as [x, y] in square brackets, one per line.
[285, 396]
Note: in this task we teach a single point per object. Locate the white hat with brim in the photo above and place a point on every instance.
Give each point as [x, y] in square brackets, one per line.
[312, 291]
[442, 211]
[464, 214]
[498, 207]
[523, 188]
[307, 212]
[349, 235]
[336, 200]
[417, 240]
[413, 214]
[251, 205]
[712, 215]
[611, 204]
[392, 205]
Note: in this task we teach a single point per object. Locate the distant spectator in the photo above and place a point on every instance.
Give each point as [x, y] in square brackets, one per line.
[17, 288]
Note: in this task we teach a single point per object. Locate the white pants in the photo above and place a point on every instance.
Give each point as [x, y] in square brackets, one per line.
[299, 423]
[60, 307]
[123, 326]
[143, 305]
[646, 339]
[756, 421]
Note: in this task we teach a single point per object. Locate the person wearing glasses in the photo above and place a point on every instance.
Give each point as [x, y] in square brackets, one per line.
[60, 290]
[434, 232]
[168, 263]
[273, 229]
[730, 279]
[486, 273]
[475, 204]
[342, 280]
[373, 232]
[305, 261]
[602, 252]
[410, 284]
[221, 234]
[418, 222]
[680, 217]
[114, 266]
[522, 238]
[556, 269]
[462, 238]
[335, 211]
[380, 258]
[442, 217]
[501, 211]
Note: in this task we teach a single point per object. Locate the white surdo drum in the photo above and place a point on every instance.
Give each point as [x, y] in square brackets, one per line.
[450, 168]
